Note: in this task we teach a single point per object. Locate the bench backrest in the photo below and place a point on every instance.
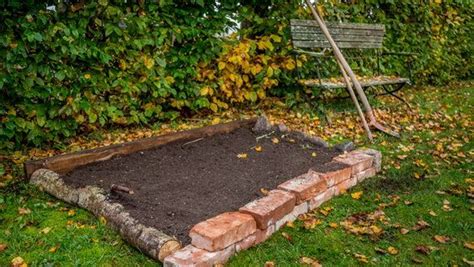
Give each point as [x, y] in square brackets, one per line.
[307, 34]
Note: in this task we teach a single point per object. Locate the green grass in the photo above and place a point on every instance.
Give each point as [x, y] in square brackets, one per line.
[81, 239]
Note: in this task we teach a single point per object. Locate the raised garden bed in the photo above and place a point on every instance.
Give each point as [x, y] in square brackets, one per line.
[185, 189]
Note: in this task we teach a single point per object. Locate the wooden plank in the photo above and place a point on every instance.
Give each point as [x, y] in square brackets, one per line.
[376, 81]
[340, 44]
[344, 25]
[320, 37]
[339, 32]
[67, 162]
[301, 29]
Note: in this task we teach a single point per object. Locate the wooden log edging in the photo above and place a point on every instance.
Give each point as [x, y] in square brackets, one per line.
[149, 240]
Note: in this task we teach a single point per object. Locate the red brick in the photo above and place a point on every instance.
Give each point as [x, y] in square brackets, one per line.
[374, 153]
[304, 186]
[361, 176]
[221, 231]
[246, 243]
[196, 257]
[269, 209]
[336, 176]
[344, 186]
[321, 198]
[358, 161]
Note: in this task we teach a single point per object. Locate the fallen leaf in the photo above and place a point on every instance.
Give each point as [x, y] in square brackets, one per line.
[469, 245]
[423, 249]
[53, 249]
[416, 260]
[404, 231]
[275, 140]
[361, 257]
[407, 202]
[357, 195]
[326, 210]
[4, 246]
[24, 211]
[468, 262]
[309, 261]
[286, 236]
[441, 239]
[432, 213]
[380, 250]
[45, 230]
[264, 191]
[215, 121]
[313, 154]
[333, 225]
[102, 220]
[18, 262]
[71, 213]
[242, 155]
[258, 148]
[420, 225]
[269, 264]
[290, 224]
[392, 250]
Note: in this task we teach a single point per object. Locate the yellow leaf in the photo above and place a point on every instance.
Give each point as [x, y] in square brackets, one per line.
[264, 191]
[87, 76]
[103, 220]
[333, 225]
[357, 195]
[309, 261]
[258, 148]
[215, 121]
[148, 62]
[18, 262]
[275, 140]
[46, 230]
[221, 65]
[242, 155]
[269, 71]
[392, 250]
[313, 154]
[71, 212]
[441, 239]
[269, 264]
[204, 91]
[213, 107]
[275, 38]
[53, 249]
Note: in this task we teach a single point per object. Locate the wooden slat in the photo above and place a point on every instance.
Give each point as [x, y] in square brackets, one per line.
[340, 44]
[376, 81]
[344, 25]
[301, 29]
[67, 162]
[321, 37]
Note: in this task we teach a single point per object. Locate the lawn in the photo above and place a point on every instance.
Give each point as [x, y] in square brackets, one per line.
[418, 210]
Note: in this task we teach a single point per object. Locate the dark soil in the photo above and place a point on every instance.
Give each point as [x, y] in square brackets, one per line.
[178, 185]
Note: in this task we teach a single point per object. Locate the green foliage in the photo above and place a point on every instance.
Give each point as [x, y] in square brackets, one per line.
[117, 63]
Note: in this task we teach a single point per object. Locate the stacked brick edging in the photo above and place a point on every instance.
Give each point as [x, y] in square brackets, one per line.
[215, 240]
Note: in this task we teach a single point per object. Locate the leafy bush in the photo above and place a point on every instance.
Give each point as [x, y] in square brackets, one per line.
[105, 64]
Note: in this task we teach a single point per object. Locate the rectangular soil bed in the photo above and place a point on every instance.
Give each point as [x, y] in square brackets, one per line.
[183, 183]
[216, 190]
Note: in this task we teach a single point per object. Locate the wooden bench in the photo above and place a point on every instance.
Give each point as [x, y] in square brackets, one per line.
[307, 37]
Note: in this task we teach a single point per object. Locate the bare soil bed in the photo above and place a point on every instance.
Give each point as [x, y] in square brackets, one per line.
[183, 183]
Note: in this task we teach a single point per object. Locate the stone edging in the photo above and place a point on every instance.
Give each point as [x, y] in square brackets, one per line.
[215, 240]
[150, 240]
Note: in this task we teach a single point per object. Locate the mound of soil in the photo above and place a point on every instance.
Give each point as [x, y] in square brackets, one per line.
[183, 183]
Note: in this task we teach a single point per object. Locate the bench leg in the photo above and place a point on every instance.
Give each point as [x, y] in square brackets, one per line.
[392, 93]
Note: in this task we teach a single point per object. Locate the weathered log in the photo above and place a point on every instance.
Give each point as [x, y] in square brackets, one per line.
[147, 239]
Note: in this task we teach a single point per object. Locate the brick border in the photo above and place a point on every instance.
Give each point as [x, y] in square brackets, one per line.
[215, 240]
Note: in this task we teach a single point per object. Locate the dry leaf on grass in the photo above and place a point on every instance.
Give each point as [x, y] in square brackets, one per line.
[18, 262]
[309, 261]
[269, 264]
[392, 250]
[423, 249]
[357, 195]
[45, 230]
[287, 236]
[420, 225]
[24, 211]
[3, 247]
[441, 239]
[361, 258]
[469, 245]
[404, 231]
[468, 262]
